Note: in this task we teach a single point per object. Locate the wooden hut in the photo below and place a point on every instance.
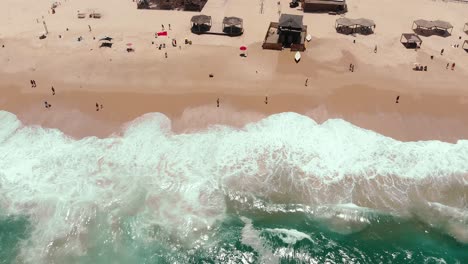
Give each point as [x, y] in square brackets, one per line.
[318, 6]
[289, 32]
[410, 40]
[200, 24]
[233, 26]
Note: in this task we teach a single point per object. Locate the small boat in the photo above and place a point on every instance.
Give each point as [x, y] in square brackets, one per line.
[297, 57]
[308, 37]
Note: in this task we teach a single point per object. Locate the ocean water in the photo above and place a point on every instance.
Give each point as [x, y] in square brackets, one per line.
[281, 190]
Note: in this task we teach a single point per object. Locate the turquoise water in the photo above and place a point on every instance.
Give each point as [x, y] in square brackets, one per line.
[385, 240]
[282, 190]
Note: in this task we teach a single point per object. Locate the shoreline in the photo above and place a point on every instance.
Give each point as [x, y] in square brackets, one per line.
[415, 117]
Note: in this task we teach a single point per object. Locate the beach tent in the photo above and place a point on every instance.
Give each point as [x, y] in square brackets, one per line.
[465, 45]
[465, 28]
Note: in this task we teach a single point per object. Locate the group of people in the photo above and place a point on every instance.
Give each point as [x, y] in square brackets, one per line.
[99, 106]
[448, 65]
[33, 84]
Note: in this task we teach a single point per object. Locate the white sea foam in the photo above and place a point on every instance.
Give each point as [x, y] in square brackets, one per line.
[179, 181]
[289, 236]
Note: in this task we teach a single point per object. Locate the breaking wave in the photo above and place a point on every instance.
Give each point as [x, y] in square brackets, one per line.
[149, 184]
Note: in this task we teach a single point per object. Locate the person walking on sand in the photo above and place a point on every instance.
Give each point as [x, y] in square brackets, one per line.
[32, 83]
[170, 27]
[397, 99]
[350, 66]
[165, 54]
[97, 107]
[217, 102]
[448, 64]
[442, 52]
[375, 49]
[162, 26]
[453, 66]
[307, 80]
[89, 28]
[266, 99]
[102, 107]
[53, 90]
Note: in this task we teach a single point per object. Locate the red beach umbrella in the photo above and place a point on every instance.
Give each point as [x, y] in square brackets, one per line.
[243, 48]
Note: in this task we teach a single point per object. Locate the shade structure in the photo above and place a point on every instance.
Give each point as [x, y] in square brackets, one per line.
[442, 24]
[348, 25]
[347, 22]
[201, 19]
[423, 23]
[432, 25]
[232, 21]
[233, 26]
[364, 22]
[410, 40]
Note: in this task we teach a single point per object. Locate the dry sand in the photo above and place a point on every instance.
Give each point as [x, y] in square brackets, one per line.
[433, 104]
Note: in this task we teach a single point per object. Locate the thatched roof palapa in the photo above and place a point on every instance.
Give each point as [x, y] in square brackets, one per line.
[232, 21]
[201, 19]
[290, 21]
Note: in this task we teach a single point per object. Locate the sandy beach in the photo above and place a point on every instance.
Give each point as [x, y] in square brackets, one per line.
[433, 104]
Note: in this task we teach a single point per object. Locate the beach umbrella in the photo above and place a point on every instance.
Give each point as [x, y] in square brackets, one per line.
[243, 48]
